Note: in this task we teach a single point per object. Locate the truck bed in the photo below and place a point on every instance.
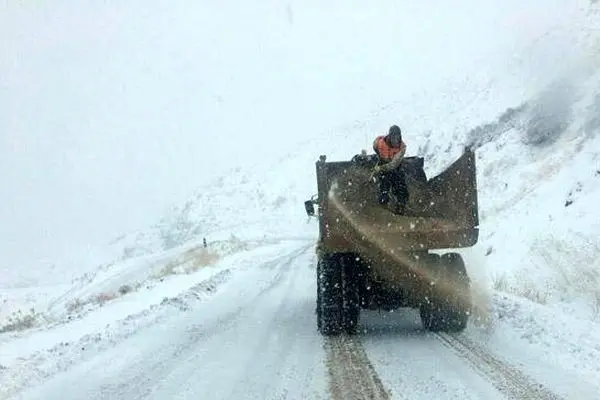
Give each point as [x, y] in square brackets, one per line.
[441, 213]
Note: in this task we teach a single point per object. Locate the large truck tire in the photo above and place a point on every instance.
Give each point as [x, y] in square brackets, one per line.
[329, 295]
[458, 302]
[351, 293]
[447, 306]
[318, 309]
[429, 309]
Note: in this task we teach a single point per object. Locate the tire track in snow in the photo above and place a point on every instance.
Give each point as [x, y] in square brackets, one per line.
[509, 380]
[351, 374]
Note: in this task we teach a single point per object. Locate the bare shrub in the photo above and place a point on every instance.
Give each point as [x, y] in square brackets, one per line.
[168, 269]
[124, 289]
[20, 322]
[487, 133]
[203, 258]
[189, 262]
[103, 298]
[74, 305]
[236, 244]
[533, 294]
[500, 282]
[98, 299]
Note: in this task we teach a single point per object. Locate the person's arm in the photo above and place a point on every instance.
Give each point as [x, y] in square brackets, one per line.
[396, 161]
[375, 149]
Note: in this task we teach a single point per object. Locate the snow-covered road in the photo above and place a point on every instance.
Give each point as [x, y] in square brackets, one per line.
[254, 337]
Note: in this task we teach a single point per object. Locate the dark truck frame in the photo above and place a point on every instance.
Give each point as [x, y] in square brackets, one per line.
[370, 258]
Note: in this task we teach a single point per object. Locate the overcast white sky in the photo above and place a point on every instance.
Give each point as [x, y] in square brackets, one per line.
[111, 111]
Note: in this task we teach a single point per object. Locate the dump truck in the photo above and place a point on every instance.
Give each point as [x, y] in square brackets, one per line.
[370, 258]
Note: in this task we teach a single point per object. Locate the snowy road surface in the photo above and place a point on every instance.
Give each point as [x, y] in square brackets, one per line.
[254, 337]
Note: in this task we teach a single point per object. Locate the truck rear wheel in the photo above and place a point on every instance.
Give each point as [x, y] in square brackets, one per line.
[429, 309]
[318, 310]
[351, 295]
[447, 306]
[458, 302]
[329, 295]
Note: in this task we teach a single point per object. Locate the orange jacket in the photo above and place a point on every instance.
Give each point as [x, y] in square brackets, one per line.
[384, 150]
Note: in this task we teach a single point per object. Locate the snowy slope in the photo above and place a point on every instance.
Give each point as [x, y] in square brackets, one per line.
[540, 181]
[538, 149]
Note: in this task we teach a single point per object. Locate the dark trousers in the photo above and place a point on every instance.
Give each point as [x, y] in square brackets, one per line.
[392, 182]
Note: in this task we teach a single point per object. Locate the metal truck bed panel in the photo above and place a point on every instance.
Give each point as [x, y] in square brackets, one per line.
[441, 212]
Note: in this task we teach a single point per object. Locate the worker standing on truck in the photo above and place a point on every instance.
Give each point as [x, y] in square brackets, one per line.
[390, 150]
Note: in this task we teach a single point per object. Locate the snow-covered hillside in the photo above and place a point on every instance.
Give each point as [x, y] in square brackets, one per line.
[535, 267]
